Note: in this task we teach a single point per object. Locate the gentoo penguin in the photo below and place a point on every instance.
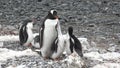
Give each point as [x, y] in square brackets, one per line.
[72, 43]
[25, 33]
[58, 45]
[35, 41]
[48, 33]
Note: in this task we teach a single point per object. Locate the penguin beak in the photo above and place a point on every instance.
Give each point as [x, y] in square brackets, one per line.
[34, 21]
[56, 17]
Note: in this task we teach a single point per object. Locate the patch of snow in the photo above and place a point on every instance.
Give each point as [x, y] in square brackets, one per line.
[94, 56]
[100, 57]
[12, 37]
[9, 38]
[85, 43]
[74, 59]
[1, 44]
[107, 65]
[110, 55]
[20, 66]
[7, 53]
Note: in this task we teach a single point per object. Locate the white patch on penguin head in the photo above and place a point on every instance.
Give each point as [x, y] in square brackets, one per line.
[30, 25]
[51, 11]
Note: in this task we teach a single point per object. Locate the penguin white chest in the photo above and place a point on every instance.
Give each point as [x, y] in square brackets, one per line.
[30, 37]
[50, 29]
[50, 34]
[67, 45]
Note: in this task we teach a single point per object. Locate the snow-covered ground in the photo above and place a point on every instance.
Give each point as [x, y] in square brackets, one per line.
[8, 54]
[97, 60]
[12, 37]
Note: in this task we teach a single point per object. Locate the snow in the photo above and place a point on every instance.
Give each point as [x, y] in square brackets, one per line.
[101, 57]
[108, 65]
[1, 44]
[93, 56]
[7, 53]
[110, 55]
[85, 43]
[72, 59]
[20, 66]
[9, 38]
[12, 37]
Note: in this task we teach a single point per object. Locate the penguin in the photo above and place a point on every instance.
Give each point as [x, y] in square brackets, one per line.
[72, 43]
[58, 45]
[35, 42]
[25, 33]
[48, 33]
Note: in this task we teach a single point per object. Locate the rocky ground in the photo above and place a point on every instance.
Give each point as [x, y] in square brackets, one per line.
[96, 20]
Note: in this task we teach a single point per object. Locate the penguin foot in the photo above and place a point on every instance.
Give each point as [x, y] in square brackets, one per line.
[30, 45]
[57, 59]
[45, 58]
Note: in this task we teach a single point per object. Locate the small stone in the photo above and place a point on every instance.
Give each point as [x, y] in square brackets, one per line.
[39, 0]
[1, 14]
[91, 25]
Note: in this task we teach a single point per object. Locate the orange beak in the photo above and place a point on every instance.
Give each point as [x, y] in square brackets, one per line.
[56, 17]
[34, 20]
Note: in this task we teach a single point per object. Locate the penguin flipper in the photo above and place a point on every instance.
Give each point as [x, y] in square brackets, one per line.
[23, 35]
[41, 36]
[54, 45]
[78, 46]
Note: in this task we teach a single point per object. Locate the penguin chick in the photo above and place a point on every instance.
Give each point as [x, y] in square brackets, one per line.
[58, 45]
[25, 33]
[35, 41]
[72, 43]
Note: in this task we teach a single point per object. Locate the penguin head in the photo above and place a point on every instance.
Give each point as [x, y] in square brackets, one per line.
[70, 30]
[52, 14]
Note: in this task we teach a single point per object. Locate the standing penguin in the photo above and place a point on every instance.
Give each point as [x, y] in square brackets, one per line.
[58, 45]
[25, 33]
[48, 33]
[72, 43]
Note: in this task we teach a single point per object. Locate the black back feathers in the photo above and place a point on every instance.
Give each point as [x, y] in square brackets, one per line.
[78, 46]
[55, 45]
[75, 43]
